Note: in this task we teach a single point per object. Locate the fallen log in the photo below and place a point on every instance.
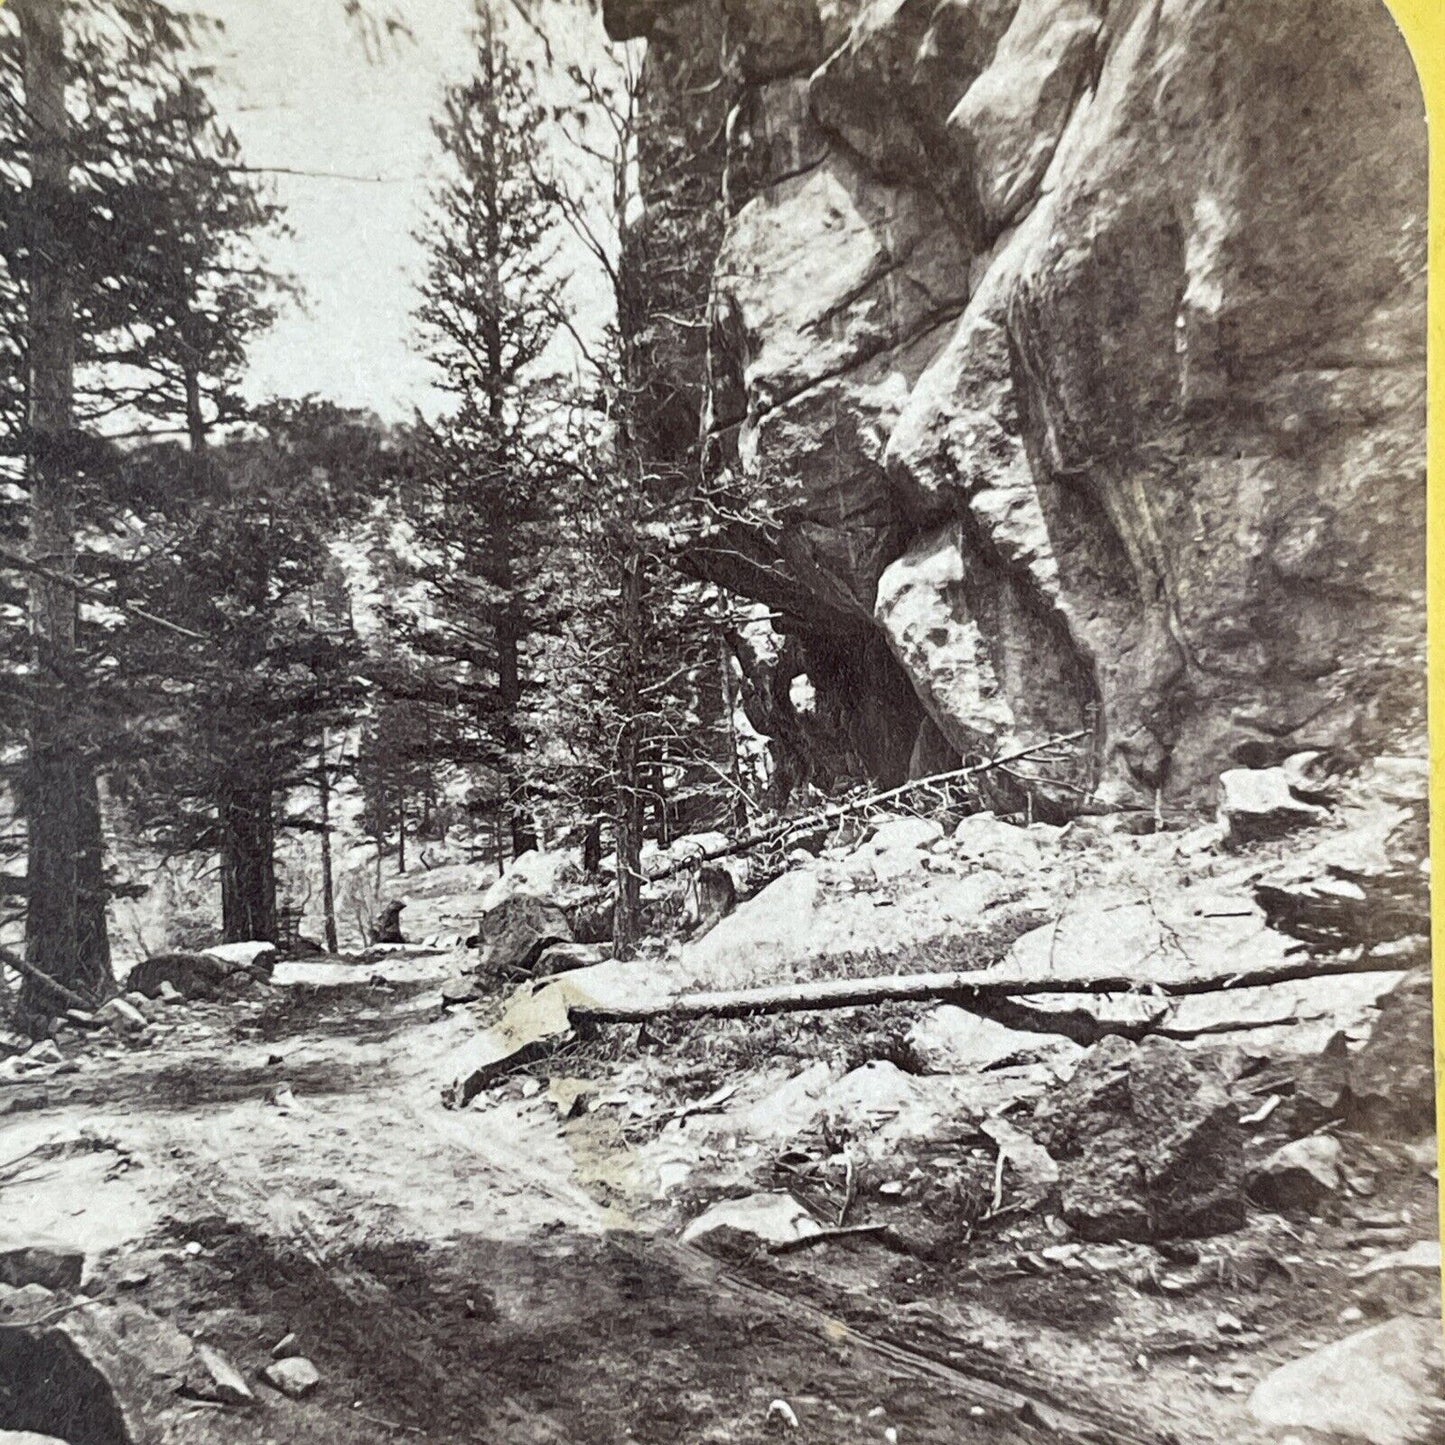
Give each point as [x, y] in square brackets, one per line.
[1087, 1029]
[827, 1236]
[835, 812]
[966, 989]
[57, 990]
[544, 1015]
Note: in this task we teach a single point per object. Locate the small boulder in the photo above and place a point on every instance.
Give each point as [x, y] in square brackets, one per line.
[460, 988]
[757, 1220]
[257, 957]
[45, 1262]
[985, 840]
[1377, 1385]
[149, 1009]
[1257, 804]
[904, 834]
[191, 975]
[41, 1055]
[516, 934]
[952, 1040]
[295, 1376]
[121, 1017]
[564, 957]
[1147, 1142]
[1298, 1176]
[1422, 1257]
[1391, 1088]
[386, 926]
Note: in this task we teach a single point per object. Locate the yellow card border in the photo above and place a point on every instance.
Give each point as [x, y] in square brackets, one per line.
[1423, 24]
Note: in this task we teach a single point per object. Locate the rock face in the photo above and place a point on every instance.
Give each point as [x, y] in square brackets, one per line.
[1065, 368]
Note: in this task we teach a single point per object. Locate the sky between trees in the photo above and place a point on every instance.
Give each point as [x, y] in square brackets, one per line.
[304, 91]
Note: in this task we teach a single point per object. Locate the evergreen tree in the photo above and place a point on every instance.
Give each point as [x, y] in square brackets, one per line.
[480, 496]
[125, 203]
[240, 558]
[72, 92]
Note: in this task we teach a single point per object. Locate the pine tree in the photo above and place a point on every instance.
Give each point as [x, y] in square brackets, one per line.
[120, 195]
[247, 703]
[480, 497]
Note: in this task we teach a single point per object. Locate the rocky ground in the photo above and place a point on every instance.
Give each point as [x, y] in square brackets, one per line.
[240, 1211]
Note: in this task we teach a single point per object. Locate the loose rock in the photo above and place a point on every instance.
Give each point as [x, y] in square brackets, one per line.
[759, 1219]
[214, 1377]
[1423, 1256]
[121, 1017]
[294, 1376]
[257, 957]
[460, 988]
[1299, 1175]
[1148, 1144]
[1256, 804]
[564, 957]
[39, 1056]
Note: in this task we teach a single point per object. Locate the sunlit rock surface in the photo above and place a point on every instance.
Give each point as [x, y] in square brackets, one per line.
[1074, 350]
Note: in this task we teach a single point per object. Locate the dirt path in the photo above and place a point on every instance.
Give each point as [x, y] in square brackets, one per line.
[288, 1169]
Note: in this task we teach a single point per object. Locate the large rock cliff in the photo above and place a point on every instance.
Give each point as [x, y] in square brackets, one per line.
[1066, 360]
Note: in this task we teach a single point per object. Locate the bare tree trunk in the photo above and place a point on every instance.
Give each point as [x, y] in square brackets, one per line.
[628, 778]
[657, 791]
[627, 825]
[65, 932]
[328, 881]
[509, 632]
[592, 847]
[739, 808]
[248, 866]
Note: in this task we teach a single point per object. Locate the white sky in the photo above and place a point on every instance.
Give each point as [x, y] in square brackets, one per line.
[294, 80]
